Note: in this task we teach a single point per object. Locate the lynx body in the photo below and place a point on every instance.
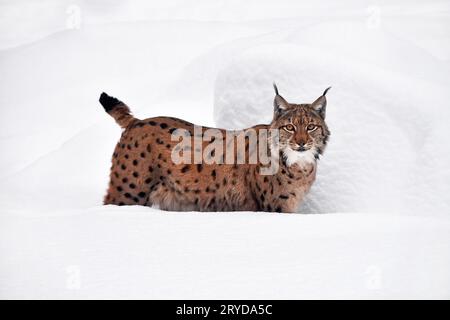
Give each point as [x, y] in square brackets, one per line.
[143, 171]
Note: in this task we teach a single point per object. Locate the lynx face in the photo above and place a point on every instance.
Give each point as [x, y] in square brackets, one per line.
[303, 133]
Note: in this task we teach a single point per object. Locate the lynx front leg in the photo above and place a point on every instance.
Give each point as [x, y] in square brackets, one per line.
[286, 203]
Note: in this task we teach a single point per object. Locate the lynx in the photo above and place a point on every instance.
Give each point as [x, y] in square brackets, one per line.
[144, 172]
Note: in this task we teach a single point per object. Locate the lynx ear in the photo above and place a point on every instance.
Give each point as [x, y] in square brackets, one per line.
[279, 103]
[320, 105]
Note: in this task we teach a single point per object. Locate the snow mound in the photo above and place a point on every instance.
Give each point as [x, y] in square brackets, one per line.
[386, 151]
[141, 253]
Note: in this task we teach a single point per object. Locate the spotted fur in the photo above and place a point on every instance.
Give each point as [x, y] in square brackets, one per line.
[143, 173]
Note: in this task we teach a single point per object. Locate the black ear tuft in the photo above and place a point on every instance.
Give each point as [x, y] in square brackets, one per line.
[320, 104]
[280, 105]
[276, 89]
[108, 102]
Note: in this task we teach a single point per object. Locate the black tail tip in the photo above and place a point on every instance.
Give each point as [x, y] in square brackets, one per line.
[108, 102]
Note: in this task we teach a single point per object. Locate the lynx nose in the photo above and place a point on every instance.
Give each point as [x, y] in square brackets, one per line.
[301, 146]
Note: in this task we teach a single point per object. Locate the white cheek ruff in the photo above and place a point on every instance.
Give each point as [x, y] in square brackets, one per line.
[301, 158]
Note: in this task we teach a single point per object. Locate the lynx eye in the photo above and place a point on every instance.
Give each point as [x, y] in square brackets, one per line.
[289, 127]
[311, 127]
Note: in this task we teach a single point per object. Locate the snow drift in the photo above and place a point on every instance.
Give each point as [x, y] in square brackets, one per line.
[383, 181]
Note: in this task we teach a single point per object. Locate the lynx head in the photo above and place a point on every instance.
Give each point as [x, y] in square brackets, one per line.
[303, 133]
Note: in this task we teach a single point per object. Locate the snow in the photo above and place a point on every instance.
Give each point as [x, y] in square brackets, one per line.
[377, 222]
[143, 253]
